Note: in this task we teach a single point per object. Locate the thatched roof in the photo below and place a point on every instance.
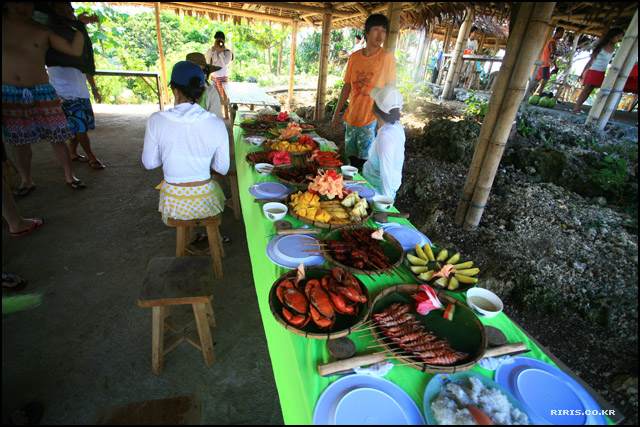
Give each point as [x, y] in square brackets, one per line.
[585, 17]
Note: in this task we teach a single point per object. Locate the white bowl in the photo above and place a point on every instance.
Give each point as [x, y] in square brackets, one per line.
[256, 141]
[484, 303]
[349, 171]
[275, 211]
[383, 203]
[264, 169]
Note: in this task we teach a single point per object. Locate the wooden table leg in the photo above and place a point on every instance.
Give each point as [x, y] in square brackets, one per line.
[206, 343]
[157, 339]
[210, 315]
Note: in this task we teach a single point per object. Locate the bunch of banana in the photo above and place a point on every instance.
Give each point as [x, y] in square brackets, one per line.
[445, 269]
[273, 132]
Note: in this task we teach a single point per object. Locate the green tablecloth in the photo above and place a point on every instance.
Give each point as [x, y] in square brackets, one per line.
[294, 358]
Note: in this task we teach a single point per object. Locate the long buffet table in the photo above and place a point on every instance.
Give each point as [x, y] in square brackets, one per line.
[294, 358]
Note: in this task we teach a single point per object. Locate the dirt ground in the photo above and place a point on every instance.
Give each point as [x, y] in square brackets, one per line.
[88, 345]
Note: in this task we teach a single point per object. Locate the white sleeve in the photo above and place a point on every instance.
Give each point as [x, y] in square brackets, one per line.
[386, 154]
[209, 56]
[220, 162]
[151, 154]
[227, 55]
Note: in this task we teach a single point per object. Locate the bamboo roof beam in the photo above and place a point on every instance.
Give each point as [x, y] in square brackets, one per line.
[237, 12]
[324, 63]
[292, 59]
[300, 8]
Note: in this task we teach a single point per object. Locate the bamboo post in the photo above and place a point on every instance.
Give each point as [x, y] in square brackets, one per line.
[292, 58]
[419, 56]
[165, 83]
[324, 63]
[427, 53]
[607, 89]
[393, 13]
[508, 110]
[614, 97]
[495, 102]
[447, 38]
[456, 61]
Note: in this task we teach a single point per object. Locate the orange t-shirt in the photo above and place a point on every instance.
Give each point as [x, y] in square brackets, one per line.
[546, 53]
[364, 74]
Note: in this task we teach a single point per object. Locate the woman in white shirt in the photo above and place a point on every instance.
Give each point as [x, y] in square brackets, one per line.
[187, 141]
[595, 69]
[383, 169]
[220, 56]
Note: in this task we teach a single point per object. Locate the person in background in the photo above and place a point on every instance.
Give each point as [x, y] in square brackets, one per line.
[187, 141]
[211, 98]
[383, 170]
[31, 109]
[436, 66]
[471, 48]
[593, 73]
[549, 54]
[71, 86]
[357, 45]
[220, 56]
[367, 68]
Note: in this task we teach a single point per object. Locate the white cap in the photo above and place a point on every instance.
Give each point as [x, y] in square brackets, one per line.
[386, 98]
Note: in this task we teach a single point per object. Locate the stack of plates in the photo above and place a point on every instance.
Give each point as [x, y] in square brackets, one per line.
[543, 388]
[287, 251]
[269, 190]
[407, 236]
[365, 192]
[365, 400]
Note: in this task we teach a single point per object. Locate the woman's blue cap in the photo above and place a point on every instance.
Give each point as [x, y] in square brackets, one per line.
[184, 71]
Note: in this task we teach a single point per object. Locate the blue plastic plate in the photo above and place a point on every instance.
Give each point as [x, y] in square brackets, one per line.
[360, 405]
[269, 190]
[437, 383]
[285, 251]
[407, 236]
[543, 388]
[364, 192]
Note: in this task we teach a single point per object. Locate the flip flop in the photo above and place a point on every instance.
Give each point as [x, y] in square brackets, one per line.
[80, 158]
[97, 164]
[579, 113]
[200, 238]
[225, 239]
[10, 278]
[77, 184]
[36, 224]
[23, 191]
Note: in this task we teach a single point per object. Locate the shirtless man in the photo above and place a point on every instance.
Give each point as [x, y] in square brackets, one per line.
[31, 109]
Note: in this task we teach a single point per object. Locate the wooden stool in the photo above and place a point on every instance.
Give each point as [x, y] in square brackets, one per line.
[176, 281]
[234, 201]
[183, 231]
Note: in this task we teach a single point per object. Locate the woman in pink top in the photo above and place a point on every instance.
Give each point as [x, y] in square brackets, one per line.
[593, 73]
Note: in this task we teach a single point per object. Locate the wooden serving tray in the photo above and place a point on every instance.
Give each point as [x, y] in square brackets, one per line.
[324, 224]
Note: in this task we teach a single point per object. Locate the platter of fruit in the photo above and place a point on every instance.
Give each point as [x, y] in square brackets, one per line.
[327, 159]
[326, 204]
[319, 302]
[442, 269]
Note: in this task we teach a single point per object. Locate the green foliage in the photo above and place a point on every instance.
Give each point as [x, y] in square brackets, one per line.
[525, 130]
[476, 107]
[612, 175]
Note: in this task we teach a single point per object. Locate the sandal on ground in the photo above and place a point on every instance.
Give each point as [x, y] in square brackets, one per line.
[37, 224]
[77, 184]
[8, 278]
[225, 239]
[23, 191]
[80, 158]
[97, 164]
[199, 238]
[30, 415]
[578, 113]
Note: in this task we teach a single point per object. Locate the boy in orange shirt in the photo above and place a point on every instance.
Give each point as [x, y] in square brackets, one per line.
[369, 67]
[548, 57]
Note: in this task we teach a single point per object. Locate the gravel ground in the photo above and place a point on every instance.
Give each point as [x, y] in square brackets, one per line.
[566, 266]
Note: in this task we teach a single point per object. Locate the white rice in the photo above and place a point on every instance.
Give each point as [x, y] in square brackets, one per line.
[450, 407]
